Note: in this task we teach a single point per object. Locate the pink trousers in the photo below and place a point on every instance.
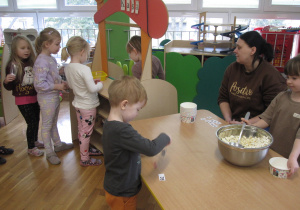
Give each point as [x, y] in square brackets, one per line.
[86, 122]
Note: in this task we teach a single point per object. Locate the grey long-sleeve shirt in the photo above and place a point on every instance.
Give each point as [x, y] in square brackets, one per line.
[122, 146]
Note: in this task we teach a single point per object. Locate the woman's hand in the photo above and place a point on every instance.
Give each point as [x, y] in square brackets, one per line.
[235, 122]
[9, 78]
[246, 121]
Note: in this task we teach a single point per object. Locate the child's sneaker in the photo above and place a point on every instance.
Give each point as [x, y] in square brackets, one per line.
[39, 144]
[94, 152]
[35, 152]
[63, 146]
[6, 151]
[91, 162]
[2, 160]
[52, 158]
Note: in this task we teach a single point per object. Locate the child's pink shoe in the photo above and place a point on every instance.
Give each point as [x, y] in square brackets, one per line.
[91, 162]
[94, 152]
[35, 152]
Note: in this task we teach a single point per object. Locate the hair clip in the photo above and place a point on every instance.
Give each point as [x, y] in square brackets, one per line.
[50, 32]
[67, 50]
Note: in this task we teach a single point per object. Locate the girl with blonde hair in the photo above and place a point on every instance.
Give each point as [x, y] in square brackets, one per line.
[48, 83]
[85, 89]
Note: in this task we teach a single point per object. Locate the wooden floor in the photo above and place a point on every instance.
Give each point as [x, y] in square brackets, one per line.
[28, 182]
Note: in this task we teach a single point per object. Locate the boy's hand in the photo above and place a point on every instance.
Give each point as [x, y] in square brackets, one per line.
[293, 165]
[9, 78]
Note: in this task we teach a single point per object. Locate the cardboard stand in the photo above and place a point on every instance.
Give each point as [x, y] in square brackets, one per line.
[10, 109]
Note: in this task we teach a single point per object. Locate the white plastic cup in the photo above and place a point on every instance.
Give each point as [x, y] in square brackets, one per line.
[188, 112]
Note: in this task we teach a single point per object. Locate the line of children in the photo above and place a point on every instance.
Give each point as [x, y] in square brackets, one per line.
[48, 83]
[122, 144]
[19, 79]
[85, 90]
[283, 117]
[127, 96]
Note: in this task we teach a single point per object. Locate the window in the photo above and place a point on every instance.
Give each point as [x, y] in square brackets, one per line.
[282, 5]
[180, 28]
[231, 4]
[80, 3]
[36, 4]
[3, 3]
[181, 4]
[286, 2]
[257, 23]
[73, 26]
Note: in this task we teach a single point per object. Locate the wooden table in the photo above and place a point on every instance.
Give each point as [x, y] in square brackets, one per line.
[197, 176]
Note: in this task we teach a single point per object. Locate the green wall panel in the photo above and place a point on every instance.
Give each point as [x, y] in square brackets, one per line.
[181, 71]
[118, 37]
[210, 79]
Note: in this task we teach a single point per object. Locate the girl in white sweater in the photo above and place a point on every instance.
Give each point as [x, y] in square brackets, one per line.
[86, 99]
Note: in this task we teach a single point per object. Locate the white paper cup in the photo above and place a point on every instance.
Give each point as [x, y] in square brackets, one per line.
[188, 112]
[278, 167]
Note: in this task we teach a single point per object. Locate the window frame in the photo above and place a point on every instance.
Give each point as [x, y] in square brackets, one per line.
[231, 8]
[279, 8]
[188, 7]
[9, 8]
[33, 9]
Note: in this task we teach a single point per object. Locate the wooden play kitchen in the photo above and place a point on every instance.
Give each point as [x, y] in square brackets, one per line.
[152, 18]
[196, 176]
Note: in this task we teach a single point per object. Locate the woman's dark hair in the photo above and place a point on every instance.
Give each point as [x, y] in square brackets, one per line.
[263, 48]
